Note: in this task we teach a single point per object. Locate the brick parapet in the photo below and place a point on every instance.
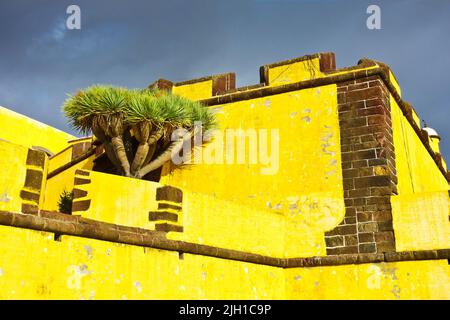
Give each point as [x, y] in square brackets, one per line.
[368, 168]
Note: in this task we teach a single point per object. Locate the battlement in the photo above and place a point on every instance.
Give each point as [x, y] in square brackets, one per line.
[300, 73]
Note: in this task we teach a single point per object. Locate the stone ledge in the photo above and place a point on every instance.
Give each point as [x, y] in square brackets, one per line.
[63, 224]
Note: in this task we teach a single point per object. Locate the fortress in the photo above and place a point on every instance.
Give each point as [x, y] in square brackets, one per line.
[358, 207]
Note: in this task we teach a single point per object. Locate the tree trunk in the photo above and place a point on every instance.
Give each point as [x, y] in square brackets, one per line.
[174, 147]
[119, 149]
[109, 150]
[152, 142]
[139, 157]
[154, 137]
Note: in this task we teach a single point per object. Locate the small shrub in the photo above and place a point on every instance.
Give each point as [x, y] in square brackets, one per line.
[65, 202]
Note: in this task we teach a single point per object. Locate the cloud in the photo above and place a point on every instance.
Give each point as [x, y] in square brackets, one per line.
[59, 31]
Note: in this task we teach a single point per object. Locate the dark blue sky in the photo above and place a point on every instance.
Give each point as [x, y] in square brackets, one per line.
[132, 43]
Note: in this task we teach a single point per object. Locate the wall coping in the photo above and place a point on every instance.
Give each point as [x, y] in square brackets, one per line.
[73, 225]
[71, 163]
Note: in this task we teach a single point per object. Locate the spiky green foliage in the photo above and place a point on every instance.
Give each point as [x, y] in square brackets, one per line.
[94, 101]
[200, 113]
[175, 111]
[137, 105]
[143, 107]
[111, 113]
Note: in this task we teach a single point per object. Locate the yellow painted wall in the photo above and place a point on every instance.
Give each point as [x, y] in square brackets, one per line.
[421, 221]
[210, 220]
[25, 131]
[416, 170]
[396, 280]
[12, 161]
[435, 144]
[119, 200]
[206, 219]
[306, 188]
[79, 268]
[394, 81]
[63, 181]
[216, 222]
[194, 91]
[61, 158]
[420, 210]
[295, 72]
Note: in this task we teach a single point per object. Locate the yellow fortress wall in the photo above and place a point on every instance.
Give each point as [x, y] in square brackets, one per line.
[28, 132]
[302, 182]
[294, 226]
[248, 228]
[65, 163]
[12, 160]
[412, 157]
[383, 281]
[77, 268]
[420, 210]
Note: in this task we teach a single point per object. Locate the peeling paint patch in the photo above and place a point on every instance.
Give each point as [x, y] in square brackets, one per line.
[138, 286]
[82, 270]
[278, 206]
[374, 279]
[307, 119]
[4, 197]
[88, 250]
[396, 291]
[332, 162]
[297, 278]
[1, 272]
[293, 114]
[326, 141]
[217, 110]
[76, 273]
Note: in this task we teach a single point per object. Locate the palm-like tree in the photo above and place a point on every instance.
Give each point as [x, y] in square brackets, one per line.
[116, 116]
